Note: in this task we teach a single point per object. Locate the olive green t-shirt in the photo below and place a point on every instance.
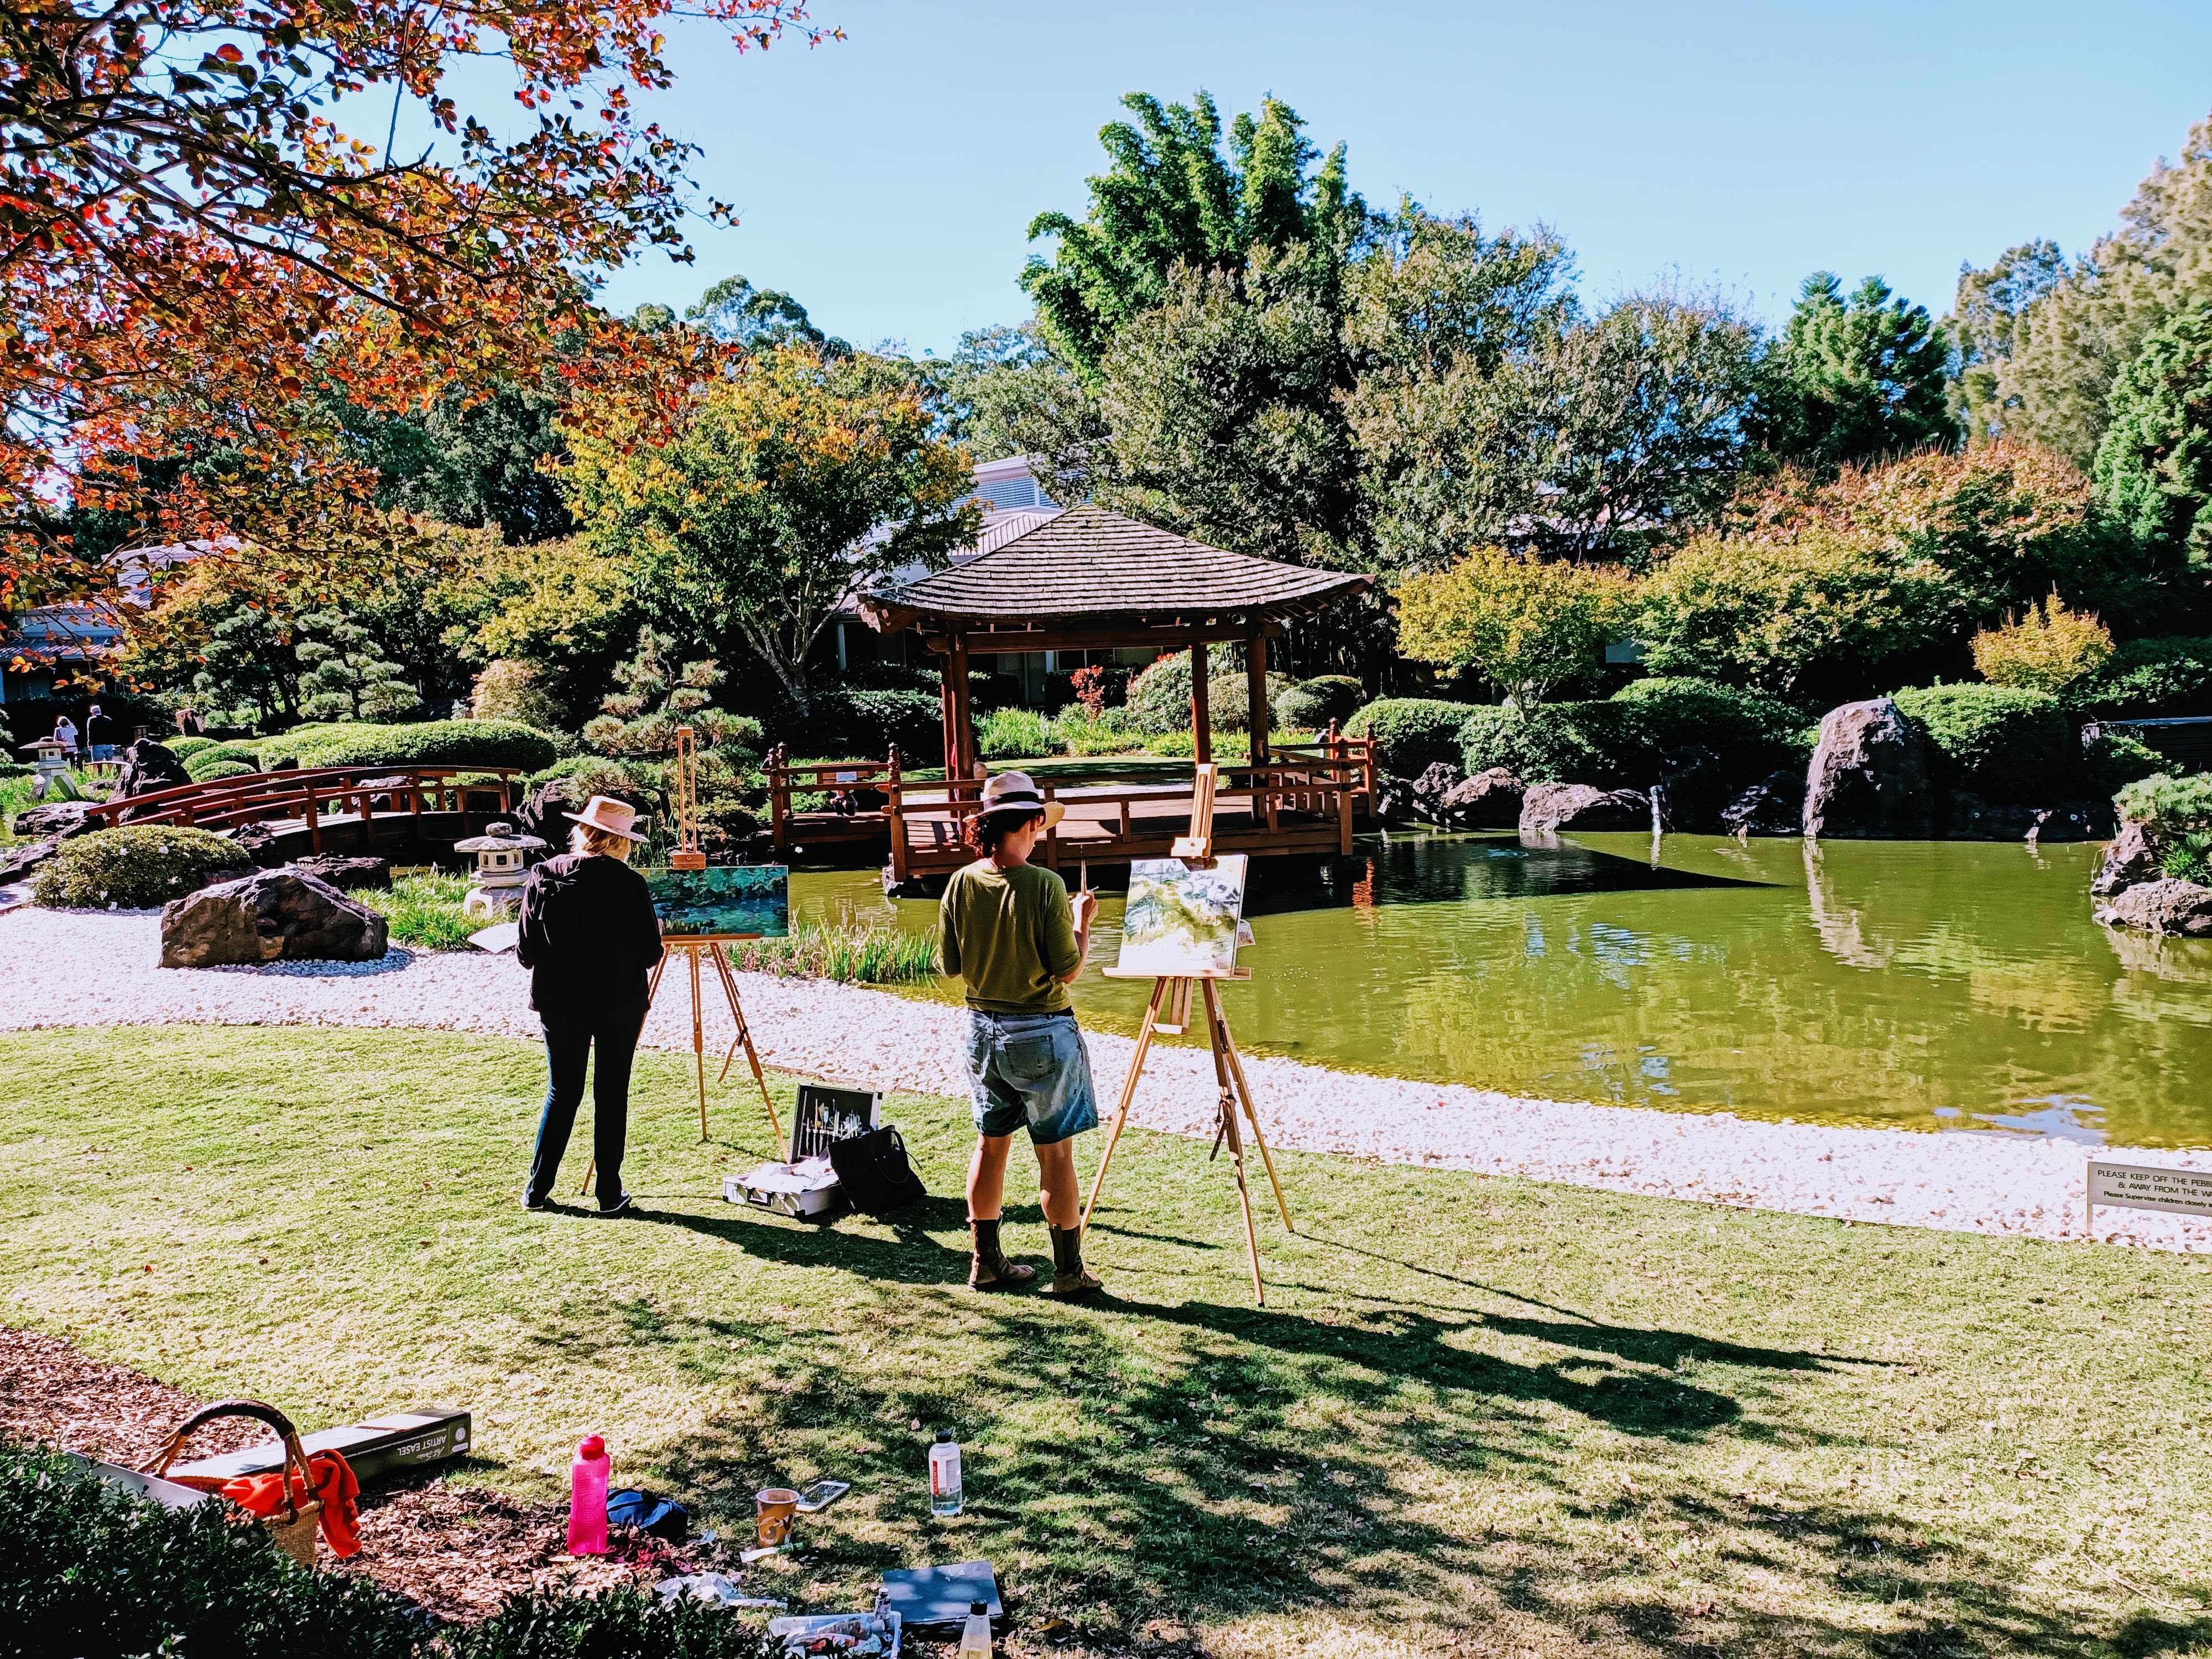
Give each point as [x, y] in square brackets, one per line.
[1011, 935]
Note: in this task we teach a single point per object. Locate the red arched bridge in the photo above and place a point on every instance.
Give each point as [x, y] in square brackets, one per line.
[331, 808]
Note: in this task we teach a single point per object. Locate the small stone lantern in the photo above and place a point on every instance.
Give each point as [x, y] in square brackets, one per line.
[50, 759]
[503, 865]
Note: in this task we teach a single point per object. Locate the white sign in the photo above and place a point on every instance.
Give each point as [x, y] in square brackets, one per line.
[2150, 1187]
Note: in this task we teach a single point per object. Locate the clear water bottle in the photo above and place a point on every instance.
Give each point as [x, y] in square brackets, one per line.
[587, 1498]
[976, 1634]
[945, 1475]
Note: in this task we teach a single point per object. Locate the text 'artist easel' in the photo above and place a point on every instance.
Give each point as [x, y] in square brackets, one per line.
[686, 856]
[1169, 1011]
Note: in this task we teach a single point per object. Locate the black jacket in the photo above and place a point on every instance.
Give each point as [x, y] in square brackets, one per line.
[589, 936]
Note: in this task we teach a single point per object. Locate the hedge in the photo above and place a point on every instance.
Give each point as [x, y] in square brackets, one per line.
[1999, 742]
[1622, 740]
[2146, 679]
[88, 1572]
[133, 867]
[423, 743]
[1314, 703]
[222, 769]
[185, 748]
[849, 723]
[212, 755]
[1411, 734]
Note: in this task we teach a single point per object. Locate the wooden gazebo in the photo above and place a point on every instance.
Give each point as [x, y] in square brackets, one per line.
[1090, 579]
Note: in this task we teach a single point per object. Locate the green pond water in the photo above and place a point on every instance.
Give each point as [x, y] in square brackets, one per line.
[1930, 985]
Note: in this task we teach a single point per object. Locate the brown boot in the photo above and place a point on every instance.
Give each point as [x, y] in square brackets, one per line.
[1069, 1277]
[988, 1268]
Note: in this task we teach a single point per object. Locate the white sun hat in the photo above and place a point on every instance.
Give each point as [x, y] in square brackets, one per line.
[606, 812]
[1014, 792]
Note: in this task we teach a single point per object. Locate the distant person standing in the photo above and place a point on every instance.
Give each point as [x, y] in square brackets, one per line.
[188, 724]
[65, 735]
[1009, 929]
[589, 936]
[99, 734]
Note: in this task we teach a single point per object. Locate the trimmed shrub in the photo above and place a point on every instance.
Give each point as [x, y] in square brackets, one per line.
[133, 867]
[222, 769]
[1174, 746]
[1998, 741]
[1619, 742]
[425, 743]
[1411, 734]
[2148, 680]
[1751, 733]
[185, 748]
[853, 723]
[1314, 703]
[1552, 743]
[220, 753]
[2168, 805]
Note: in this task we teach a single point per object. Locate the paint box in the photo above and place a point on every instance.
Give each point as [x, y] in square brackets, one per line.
[806, 1189]
[400, 1440]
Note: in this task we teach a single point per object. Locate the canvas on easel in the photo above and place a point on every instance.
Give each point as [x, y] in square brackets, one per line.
[1184, 936]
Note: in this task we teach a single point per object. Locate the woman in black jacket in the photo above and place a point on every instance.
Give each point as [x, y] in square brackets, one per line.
[589, 937]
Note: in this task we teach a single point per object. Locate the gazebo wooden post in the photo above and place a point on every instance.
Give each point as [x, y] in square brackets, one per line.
[1201, 723]
[960, 754]
[1256, 683]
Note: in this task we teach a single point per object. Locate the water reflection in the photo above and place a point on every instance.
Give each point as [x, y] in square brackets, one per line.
[1923, 984]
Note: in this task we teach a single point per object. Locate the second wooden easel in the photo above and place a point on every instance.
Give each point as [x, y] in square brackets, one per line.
[687, 855]
[1169, 1011]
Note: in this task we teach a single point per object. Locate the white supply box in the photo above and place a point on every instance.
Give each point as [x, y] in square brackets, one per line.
[804, 1189]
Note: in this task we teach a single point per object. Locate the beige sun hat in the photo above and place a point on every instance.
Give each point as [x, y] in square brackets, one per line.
[606, 812]
[1015, 791]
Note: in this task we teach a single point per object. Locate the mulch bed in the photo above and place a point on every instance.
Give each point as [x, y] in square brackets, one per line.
[458, 1552]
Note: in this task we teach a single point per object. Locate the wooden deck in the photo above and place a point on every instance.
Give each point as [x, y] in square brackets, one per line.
[1308, 799]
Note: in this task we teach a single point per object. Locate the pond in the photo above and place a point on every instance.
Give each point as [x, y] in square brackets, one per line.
[1928, 984]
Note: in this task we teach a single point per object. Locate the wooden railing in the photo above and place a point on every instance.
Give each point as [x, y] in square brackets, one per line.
[312, 794]
[785, 780]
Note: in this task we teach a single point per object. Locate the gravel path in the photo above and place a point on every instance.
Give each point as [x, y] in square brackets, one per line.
[64, 968]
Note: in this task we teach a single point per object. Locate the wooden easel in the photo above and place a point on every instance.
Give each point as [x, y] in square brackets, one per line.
[687, 855]
[1169, 1011]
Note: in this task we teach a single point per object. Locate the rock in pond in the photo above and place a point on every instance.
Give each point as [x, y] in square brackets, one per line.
[2130, 859]
[1773, 807]
[2165, 905]
[1693, 794]
[1549, 808]
[1489, 800]
[271, 915]
[1869, 776]
[1431, 787]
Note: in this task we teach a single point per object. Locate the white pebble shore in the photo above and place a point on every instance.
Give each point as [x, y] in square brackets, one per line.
[86, 969]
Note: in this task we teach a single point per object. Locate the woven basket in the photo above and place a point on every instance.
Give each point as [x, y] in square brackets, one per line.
[292, 1528]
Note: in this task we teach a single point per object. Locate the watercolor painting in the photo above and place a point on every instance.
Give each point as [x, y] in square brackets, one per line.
[741, 898]
[1181, 921]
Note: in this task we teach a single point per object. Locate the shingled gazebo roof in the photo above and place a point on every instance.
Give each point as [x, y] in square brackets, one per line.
[1101, 571]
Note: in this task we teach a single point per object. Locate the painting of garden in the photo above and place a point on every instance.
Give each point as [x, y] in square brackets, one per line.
[1664, 553]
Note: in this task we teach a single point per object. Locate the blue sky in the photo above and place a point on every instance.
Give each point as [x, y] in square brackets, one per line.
[888, 181]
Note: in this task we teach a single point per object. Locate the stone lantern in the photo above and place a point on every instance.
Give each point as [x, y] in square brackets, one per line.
[503, 865]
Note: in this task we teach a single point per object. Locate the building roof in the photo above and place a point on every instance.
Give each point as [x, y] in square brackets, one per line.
[1089, 565]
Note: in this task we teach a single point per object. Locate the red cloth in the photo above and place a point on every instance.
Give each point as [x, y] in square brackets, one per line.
[340, 1520]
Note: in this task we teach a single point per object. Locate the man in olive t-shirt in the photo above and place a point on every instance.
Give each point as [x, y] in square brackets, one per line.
[1009, 930]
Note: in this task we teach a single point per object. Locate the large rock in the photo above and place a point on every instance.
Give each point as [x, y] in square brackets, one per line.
[1870, 776]
[1693, 792]
[2165, 906]
[61, 819]
[1548, 808]
[18, 863]
[147, 766]
[271, 915]
[1775, 807]
[540, 813]
[349, 873]
[1432, 785]
[1488, 800]
[2131, 858]
[1394, 799]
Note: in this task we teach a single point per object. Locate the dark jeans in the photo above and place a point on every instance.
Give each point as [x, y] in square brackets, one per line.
[568, 1041]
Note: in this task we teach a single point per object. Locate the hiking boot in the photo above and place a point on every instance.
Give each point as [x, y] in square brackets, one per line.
[988, 1269]
[1069, 1276]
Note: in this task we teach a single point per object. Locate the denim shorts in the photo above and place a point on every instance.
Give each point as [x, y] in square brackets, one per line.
[1030, 1070]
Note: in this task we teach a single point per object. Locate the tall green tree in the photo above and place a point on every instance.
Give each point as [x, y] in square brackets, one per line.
[2050, 381]
[1177, 195]
[1985, 328]
[2154, 461]
[1857, 377]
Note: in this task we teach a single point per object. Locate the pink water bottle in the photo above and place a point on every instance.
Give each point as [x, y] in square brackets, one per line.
[587, 1498]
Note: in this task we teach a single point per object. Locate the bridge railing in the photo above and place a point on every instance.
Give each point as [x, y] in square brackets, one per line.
[313, 793]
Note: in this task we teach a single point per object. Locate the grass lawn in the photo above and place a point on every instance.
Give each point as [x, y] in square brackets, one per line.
[1478, 1415]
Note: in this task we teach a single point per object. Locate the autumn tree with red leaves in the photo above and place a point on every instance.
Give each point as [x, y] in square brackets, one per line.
[198, 260]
